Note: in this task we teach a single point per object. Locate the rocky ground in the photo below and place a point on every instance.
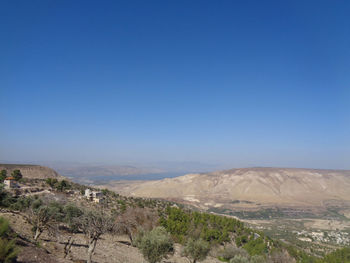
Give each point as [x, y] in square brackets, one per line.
[51, 248]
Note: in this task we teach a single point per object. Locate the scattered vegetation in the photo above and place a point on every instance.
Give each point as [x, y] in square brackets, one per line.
[155, 244]
[94, 224]
[61, 185]
[8, 249]
[209, 227]
[230, 252]
[162, 222]
[338, 256]
[43, 217]
[3, 175]
[16, 174]
[197, 250]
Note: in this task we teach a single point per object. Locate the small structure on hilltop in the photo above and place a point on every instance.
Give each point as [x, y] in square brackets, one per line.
[10, 182]
[94, 196]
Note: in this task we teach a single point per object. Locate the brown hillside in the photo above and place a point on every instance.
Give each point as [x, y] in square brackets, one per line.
[31, 171]
[249, 186]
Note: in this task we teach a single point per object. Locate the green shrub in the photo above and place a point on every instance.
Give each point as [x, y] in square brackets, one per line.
[239, 259]
[71, 213]
[155, 245]
[62, 185]
[8, 249]
[6, 199]
[257, 259]
[230, 252]
[197, 250]
[256, 246]
[338, 256]
[4, 227]
[3, 175]
[51, 181]
[17, 175]
[58, 185]
[22, 203]
[188, 224]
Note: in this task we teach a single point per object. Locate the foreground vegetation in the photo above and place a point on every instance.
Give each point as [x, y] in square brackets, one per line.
[153, 226]
[8, 249]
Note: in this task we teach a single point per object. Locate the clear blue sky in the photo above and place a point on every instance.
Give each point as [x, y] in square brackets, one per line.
[240, 83]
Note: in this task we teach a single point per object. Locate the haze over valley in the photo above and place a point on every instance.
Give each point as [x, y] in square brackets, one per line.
[175, 131]
[249, 188]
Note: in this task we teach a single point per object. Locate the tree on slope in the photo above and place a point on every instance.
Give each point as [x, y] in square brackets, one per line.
[17, 175]
[197, 250]
[155, 245]
[41, 218]
[94, 224]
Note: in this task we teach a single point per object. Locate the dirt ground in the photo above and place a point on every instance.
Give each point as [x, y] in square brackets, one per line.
[109, 248]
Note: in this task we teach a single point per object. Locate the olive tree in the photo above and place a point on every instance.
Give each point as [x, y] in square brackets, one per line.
[71, 212]
[94, 224]
[155, 244]
[41, 218]
[197, 250]
[134, 219]
[17, 174]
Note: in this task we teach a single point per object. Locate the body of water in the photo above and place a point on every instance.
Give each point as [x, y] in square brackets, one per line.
[107, 178]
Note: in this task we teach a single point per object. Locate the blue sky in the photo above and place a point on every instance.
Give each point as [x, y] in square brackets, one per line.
[237, 83]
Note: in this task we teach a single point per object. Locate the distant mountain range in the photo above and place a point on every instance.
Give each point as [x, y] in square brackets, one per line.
[248, 188]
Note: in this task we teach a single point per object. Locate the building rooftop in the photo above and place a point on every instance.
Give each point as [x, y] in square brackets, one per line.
[10, 178]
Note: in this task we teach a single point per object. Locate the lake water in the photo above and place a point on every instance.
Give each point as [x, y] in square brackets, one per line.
[104, 179]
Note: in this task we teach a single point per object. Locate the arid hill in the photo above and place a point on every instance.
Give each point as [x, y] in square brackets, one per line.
[248, 187]
[31, 171]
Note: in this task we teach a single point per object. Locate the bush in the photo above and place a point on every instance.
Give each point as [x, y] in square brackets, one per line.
[6, 198]
[155, 245]
[3, 175]
[257, 259]
[8, 249]
[17, 175]
[71, 213]
[239, 259]
[22, 203]
[62, 185]
[230, 252]
[51, 181]
[281, 257]
[338, 256]
[197, 250]
[188, 224]
[4, 227]
[256, 246]
[58, 185]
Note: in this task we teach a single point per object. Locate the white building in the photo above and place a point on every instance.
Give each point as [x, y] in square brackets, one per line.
[10, 182]
[95, 196]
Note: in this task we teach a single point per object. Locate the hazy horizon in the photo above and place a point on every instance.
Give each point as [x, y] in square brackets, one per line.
[216, 84]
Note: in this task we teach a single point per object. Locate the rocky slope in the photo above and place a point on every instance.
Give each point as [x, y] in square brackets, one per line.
[31, 171]
[249, 187]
